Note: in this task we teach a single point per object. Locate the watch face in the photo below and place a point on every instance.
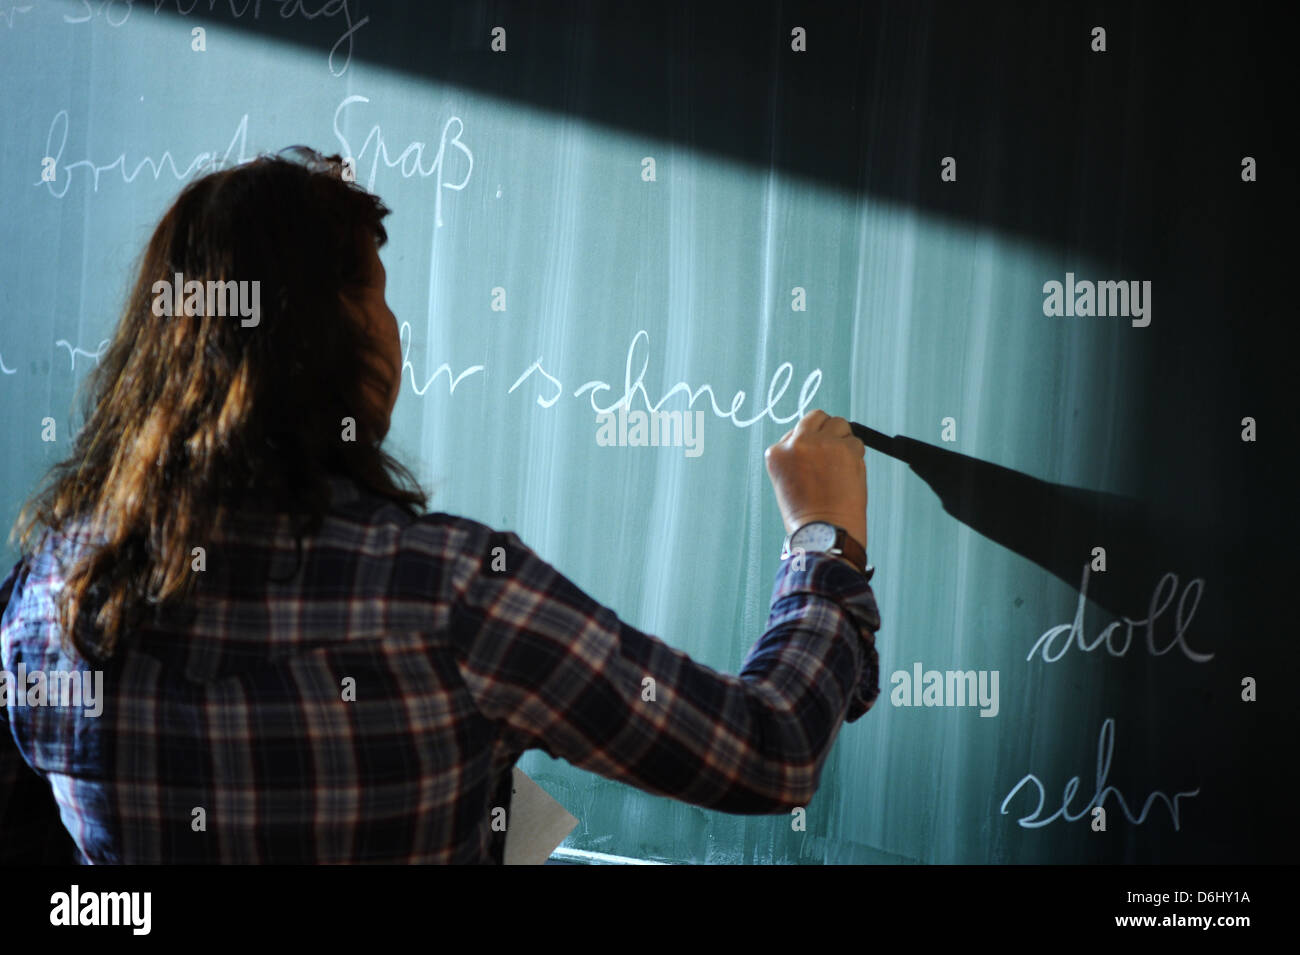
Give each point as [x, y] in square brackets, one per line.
[816, 536]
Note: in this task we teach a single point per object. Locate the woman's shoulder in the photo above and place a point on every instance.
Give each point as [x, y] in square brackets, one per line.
[429, 533]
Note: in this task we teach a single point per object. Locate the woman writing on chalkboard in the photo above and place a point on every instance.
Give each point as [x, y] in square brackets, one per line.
[295, 662]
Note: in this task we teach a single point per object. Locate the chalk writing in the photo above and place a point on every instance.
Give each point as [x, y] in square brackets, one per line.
[777, 386]
[1105, 747]
[117, 12]
[57, 138]
[73, 351]
[404, 335]
[8, 15]
[104, 8]
[1183, 618]
[410, 158]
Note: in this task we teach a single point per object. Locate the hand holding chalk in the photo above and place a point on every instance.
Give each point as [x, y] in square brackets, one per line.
[818, 473]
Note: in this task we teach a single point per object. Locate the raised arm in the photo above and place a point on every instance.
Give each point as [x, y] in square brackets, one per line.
[562, 673]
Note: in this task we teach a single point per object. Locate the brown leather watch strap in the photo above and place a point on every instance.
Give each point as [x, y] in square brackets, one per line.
[852, 550]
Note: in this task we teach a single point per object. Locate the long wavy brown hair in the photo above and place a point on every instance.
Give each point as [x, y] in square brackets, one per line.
[189, 419]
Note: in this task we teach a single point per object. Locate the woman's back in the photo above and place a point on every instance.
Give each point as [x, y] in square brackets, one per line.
[302, 714]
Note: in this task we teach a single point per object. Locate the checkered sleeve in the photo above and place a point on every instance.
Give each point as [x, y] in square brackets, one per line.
[31, 832]
[562, 673]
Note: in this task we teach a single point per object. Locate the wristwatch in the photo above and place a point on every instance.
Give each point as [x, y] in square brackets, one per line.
[828, 538]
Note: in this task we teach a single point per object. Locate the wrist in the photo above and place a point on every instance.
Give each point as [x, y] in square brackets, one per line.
[821, 536]
[854, 526]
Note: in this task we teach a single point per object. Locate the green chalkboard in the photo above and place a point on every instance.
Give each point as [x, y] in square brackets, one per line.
[680, 207]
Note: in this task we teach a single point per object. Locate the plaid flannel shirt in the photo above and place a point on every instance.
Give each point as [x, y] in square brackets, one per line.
[363, 698]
